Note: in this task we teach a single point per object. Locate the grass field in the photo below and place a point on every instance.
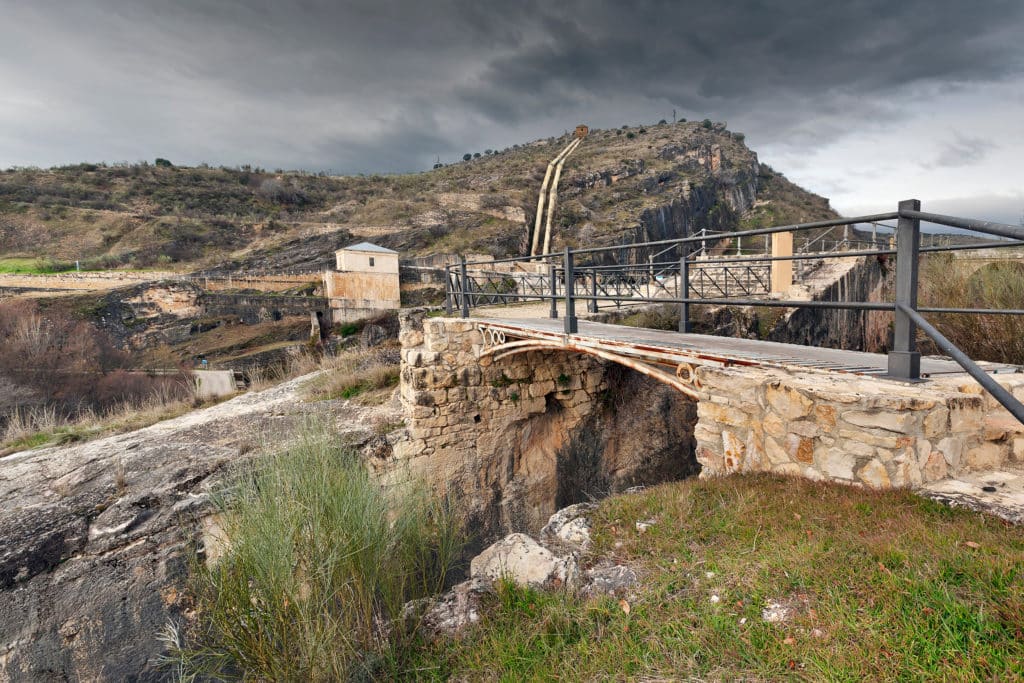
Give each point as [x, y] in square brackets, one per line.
[876, 586]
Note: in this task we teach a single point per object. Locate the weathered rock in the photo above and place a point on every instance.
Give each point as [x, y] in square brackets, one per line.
[521, 559]
[449, 614]
[98, 537]
[609, 580]
[570, 525]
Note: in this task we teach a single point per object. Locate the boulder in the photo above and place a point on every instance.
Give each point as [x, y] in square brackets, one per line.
[524, 561]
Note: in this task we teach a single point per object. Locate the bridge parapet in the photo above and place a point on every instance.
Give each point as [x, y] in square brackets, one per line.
[852, 429]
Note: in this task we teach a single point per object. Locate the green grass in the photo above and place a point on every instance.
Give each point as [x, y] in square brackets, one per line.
[32, 266]
[882, 586]
[319, 563]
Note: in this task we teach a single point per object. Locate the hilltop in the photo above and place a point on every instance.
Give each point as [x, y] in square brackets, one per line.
[623, 184]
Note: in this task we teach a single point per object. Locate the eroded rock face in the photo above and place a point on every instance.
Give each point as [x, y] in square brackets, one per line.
[98, 538]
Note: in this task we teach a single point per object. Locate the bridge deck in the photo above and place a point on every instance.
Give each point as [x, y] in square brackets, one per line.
[664, 346]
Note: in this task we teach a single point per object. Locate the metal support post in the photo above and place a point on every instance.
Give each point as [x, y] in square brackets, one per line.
[684, 292]
[592, 307]
[571, 326]
[464, 287]
[448, 293]
[554, 292]
[904, 360]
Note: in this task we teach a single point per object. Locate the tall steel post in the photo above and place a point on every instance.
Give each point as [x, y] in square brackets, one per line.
[592, 306]
[448, 290]
[904, 360]
[684, 291]
[554, 291]
[571, 325]
[464, 287]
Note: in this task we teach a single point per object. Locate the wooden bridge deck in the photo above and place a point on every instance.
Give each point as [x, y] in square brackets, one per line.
[659, 346]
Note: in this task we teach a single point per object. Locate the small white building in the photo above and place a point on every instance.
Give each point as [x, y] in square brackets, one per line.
[365, 283]
[366, 258]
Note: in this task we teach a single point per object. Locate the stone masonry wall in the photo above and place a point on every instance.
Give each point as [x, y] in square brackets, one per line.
[510, 441]
[852, 429]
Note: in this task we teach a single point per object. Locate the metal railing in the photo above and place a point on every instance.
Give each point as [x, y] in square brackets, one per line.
[603, 275]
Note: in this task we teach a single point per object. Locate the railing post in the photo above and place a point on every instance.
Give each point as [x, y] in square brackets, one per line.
[684, 291]
[904, 360]
[554, 292]
[448, 293]
[571, 326]
[464, 287]
[593, 291]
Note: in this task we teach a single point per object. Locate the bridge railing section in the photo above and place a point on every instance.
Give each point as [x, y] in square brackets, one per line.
[617, 275]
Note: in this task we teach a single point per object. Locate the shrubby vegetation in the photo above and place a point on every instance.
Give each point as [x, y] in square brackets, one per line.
[951, 283]
[319, 563]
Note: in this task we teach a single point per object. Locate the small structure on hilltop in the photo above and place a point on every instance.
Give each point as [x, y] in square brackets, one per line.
[365, 282]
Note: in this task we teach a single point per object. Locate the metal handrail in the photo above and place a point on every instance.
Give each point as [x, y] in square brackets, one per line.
[633, 283]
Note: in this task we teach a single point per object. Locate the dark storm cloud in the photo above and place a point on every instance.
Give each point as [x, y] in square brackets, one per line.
[385, 85]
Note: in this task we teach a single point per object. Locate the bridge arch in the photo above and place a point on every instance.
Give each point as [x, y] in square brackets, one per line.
[684, 379]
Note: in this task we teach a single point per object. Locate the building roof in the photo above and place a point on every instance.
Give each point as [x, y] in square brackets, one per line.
[366, 246]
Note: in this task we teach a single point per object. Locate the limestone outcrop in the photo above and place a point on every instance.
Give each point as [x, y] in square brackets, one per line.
[98, 537]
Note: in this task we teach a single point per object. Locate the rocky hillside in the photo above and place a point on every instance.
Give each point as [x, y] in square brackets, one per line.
[620, 185]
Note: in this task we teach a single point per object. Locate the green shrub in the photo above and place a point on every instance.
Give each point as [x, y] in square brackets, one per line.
[319, 563]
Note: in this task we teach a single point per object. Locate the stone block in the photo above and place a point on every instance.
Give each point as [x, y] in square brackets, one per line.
[734, 450]
[825, 415]
[787, 402]
[800, 448]
[804, 428]
[776, 454]
[936, 423]
[984, 457]
[774, 425]
[726, 415]
[1000, 426]
[874, 474]
[952, 450]
[934, 467]
[1018, 450]
[887, 421]
[836, 463]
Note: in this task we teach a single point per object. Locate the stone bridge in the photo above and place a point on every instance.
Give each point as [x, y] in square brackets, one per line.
[518, 418]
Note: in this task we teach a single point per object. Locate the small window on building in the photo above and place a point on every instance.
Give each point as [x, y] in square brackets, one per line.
[371, 262]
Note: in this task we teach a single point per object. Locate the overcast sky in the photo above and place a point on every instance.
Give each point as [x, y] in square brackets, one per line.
[863, 101]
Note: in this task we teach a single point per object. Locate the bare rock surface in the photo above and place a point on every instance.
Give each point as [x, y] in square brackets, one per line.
[998, 492]
[523, 560]
[98, 536]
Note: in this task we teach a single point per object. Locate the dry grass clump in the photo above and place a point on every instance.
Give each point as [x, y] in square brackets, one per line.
[952, 283]
[47, 425]
[358, 373]
[319, 564]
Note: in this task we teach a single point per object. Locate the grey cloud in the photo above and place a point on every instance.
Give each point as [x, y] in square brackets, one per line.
[383, 85]
[963, 150]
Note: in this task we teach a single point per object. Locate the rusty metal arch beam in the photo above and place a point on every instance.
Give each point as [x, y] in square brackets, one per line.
[524, 346]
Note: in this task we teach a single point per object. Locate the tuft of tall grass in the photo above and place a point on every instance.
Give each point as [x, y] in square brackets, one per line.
[319, 564]
[949, 282]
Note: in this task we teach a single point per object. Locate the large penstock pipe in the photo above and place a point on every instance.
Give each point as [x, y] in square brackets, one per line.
[554, 191]
[544, 193]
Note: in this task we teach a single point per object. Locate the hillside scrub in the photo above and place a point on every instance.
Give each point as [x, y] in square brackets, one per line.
[71, 366]
[952, 283]
[766, 578]
[318, 564]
